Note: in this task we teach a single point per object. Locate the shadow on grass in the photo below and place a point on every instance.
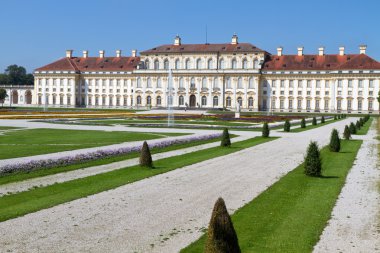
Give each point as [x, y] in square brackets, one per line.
[328, 177]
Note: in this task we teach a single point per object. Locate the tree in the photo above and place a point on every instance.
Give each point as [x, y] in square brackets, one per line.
[16, 74]
[347, 133]
[287, 126]
[4, 79]
[265, 130]
[145, 156]
[352, 128]
[221, 235]
[3, 95]
[323, 119]
[358, 126]
[334, 141]
[314, 122]
[303, 123]
[226, 141]
[313, 164]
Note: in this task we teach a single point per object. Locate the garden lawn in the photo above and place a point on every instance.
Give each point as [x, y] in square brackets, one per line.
[364, 129]
[291, 214]
[29, 142]
[12, 206]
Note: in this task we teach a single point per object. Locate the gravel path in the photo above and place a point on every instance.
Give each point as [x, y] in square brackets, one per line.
[163, 213]
[85, 172]
[355, 222]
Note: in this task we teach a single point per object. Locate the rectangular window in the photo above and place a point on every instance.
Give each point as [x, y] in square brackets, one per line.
[308, 102]
[299, 93]
[274, 92]
[327, 93]
[349, 83]
[291, 84]
[317, 92]
[308, 83]
[349, 104]
[290, 105]
[370, 93]
[370, 105]
[360, 105]
[282, 92]
[317, 104]
[339, 104]
[360, 93]
[340, 84]
[308, 93]
[282, 83]
[350, 92]
[327, 84]
[360, 83]
[318, 84]
[290, 92]
[326, 104]
[371, 83]
[299, 103]
[281, 104]
[339, 92]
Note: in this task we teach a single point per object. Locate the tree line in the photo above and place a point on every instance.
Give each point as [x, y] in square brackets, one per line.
[16, 75]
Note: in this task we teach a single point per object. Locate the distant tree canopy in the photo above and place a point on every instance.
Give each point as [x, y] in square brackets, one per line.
[16, 75]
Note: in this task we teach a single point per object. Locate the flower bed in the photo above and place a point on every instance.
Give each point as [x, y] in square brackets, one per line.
[99, 154]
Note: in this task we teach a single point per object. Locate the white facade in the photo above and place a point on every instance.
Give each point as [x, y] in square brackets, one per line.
[18, 95]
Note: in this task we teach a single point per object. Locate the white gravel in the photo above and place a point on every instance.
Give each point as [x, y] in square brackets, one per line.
[355, 222]
[163, 213]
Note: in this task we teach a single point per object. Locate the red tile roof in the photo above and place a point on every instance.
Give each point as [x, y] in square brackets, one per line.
[203, 48]
[317, 62]
[93, 64]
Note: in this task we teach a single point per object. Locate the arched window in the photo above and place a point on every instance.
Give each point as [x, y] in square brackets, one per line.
[181, 82]
[209, 64]
[199, 64]
[148, 100]
[148, 83]
[177, 64]
[156, 64]
[187, 64]
[228, 83]
[166, 64]
[138, 100]
[221, 64]
[256, 64]
[204, 82]
[240, 83]
[215, 101]
[240, 101]
[251, 83]
[234, 64]
[159, 83]
[228, 101]
[147, 64]
[181, 100]
[158, 100]
[245, 64]
[204, 100]
[192, 83]
[216, 83]
[138, 82]
[250, 102]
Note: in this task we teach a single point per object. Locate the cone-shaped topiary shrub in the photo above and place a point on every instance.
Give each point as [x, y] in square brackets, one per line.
[335, 118]
[313, 164]
[358, 126]
[303, 123]
[221, 235]
[226, 142]
[361, 120]
[323, 119]
[314, 122]
[145, 156]
[287, 126]
[352, 128]
[347, 133]
[265, 130]
[334, 141]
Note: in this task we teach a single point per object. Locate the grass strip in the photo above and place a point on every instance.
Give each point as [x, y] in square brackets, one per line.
[364, 129]
[291, 214]
[310, 126]
[12, 206]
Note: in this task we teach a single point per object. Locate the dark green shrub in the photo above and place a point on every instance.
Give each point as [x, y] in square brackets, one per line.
[358, 126]
[335, 118]
[347, 133]
[361, 121]
[334, 141]
[314, 122]
[313, 164]
[221, 234]
[226, 141]
[352, 128]
[303, 123]
[323, 119]
[145, 156]
[265, 130]
[287, 126]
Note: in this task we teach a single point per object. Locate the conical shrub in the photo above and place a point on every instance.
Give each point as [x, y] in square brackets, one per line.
[335, 118]
[323, 119]
[313, 164]
[303, 123]
[265, 130]
[314, 122]
[361, 120]
[334, 141]
[352, 128]
[145, 156]
[347, 133]
[221, 235]
[357, 125]
[226, 141]
[287, 126]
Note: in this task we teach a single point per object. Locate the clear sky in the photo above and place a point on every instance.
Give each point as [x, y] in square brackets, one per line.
[37, 32]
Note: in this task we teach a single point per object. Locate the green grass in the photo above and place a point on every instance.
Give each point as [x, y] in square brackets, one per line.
[12, 206]
[29, 142]
[309, 126]
[364, 129]
[15, 177]
[291, 214]
[7, 128]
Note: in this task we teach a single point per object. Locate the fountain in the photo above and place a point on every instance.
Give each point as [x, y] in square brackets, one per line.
[170, 99]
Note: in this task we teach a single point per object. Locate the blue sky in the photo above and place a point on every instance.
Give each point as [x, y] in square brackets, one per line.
[35, 33]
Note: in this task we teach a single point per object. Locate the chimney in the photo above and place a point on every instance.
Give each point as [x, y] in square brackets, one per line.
[101, 53]
[279, 51]
[85, 53]
[234, 40]
[341, 50]
[300, 51]
[177, 40]
[69, 53]
[321, 51]
[118, 53]
[362, 49]
[134, 53]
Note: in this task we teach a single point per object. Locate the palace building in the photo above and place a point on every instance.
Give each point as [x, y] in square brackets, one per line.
[213, 76]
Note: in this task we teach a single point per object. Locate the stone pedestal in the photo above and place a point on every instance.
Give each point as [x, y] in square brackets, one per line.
[237, 115]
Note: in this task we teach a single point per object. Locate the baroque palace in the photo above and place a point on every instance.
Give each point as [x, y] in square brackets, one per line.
[213, 76]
